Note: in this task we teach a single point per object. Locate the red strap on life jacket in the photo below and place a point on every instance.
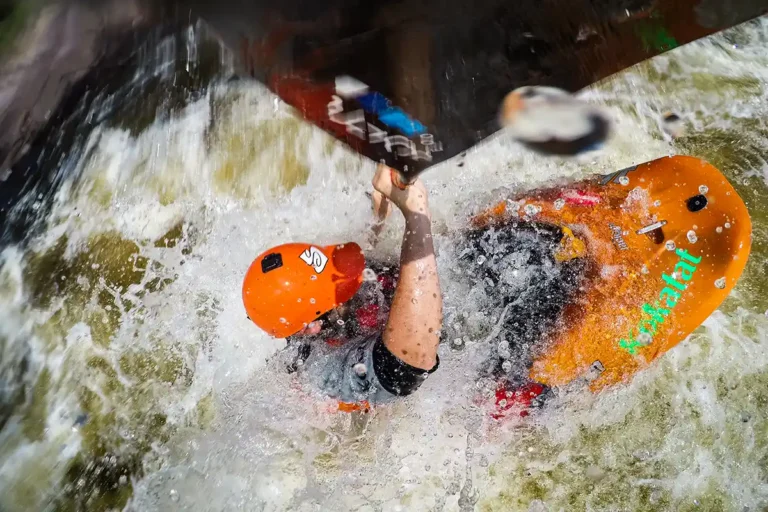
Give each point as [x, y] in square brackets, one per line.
[368, 316]
[520, 398]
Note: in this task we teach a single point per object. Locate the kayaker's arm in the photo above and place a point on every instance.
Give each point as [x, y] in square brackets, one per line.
[415, 319]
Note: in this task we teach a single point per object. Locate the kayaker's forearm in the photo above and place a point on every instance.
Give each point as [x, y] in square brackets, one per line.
[415, 319]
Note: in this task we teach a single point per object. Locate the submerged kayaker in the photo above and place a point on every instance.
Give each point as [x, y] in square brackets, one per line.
[301, 292]
[364, 336]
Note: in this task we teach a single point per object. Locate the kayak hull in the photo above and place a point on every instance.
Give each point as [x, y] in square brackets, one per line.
[666, 241]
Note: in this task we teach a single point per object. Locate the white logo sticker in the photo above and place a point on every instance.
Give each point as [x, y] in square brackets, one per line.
[315, 258]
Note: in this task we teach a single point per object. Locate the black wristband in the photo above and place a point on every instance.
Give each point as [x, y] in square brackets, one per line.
[394, 375]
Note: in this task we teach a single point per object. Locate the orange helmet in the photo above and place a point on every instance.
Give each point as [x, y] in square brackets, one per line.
[291, 285]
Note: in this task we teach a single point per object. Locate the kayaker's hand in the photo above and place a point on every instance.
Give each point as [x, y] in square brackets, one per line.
[411, 200]
[382, 206]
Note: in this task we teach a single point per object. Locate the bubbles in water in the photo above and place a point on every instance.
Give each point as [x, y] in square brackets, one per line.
[644, 269]
[503, 349]
[624, 180]
[122, 480]
[283, 320]
[174, 494]
[298, 300]
[670, 245]
[692, 236]
[559, 204]
[313, 278]
[513, 207]
[480, 259]
[340, 322]
[506, 366]
[727, 225]
[657, 203]
[719, 229]
[360, 370]
[369, 275]
[720, 283]
[312, 300]
[703, 189]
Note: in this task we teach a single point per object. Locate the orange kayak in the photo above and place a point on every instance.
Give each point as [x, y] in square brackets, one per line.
[665, 243]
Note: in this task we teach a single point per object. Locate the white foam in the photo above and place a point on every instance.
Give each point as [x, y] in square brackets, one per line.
[274, 446]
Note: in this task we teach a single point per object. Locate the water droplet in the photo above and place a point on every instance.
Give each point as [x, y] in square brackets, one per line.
[727, 225]
[531, 209]
[720, 283]
[503, 402]
[174, 495]
[719, 229]
[644, 338]
[360, 370]
[559, 204]
[703, 189]
[692, 236]
[480, 259]
[506, 366]
[313, 277]
[670, 245]
[311, 301]
[624, 180]
[340, 321]
[657, 203]
[283, 321]
[298, 300]
[594, 472]
[369, 275]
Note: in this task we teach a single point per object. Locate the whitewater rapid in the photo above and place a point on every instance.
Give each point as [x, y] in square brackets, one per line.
[135, 379]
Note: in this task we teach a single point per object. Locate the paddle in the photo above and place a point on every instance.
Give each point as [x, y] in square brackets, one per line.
[415, 82]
